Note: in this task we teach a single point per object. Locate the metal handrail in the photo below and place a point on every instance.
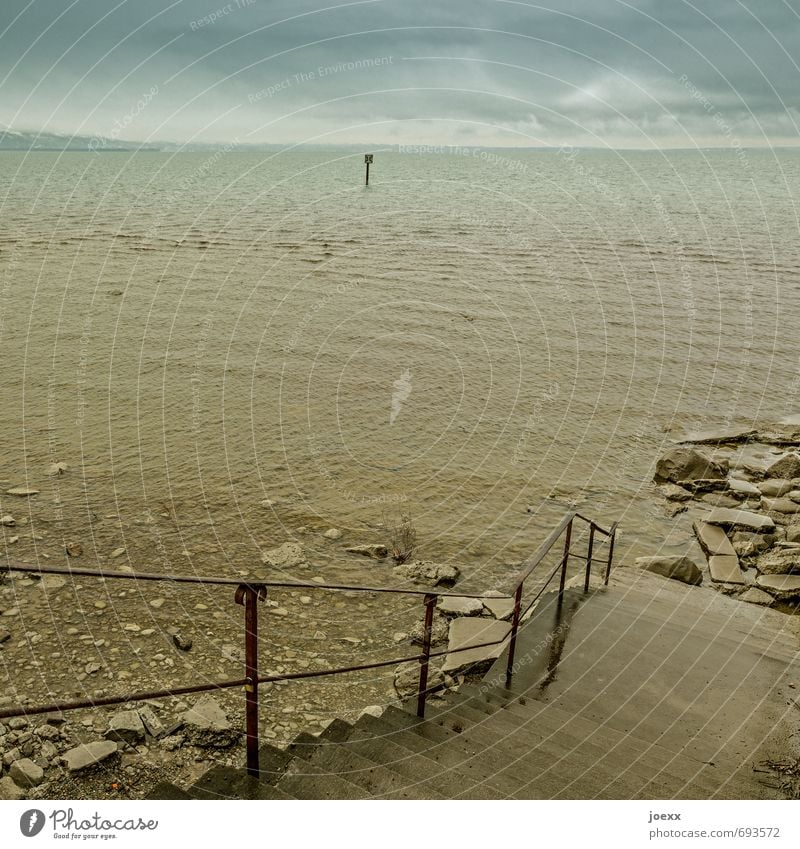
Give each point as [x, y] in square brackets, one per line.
[250, 592]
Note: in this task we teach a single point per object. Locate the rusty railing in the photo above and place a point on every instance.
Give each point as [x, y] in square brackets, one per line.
[250, 593]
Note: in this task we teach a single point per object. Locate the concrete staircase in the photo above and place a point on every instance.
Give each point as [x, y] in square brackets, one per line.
[648, 689]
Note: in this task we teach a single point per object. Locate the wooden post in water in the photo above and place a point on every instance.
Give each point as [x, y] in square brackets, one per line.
[367, 162]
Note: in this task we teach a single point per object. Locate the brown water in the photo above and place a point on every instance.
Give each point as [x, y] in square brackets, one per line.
[196, 333]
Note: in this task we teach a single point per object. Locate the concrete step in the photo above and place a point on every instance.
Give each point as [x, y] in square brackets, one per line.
[629, 754]
[425, 774]
[375, 778]
[272, 763]
[225, 782]
[314, 786]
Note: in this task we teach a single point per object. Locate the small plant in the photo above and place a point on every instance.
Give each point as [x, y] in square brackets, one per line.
[402, 537]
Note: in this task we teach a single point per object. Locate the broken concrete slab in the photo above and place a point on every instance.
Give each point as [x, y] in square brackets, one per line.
[88, 754]
[500, 608]
[26, 773]
[467, 632]
[713, 540]
[125, 726]
[779, 561]
[207, 725]
[460, 606]
[724, 569]
[406, 679]
[753, 595]
[732, 518]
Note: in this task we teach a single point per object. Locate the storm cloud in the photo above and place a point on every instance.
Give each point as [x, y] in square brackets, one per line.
[492, 72]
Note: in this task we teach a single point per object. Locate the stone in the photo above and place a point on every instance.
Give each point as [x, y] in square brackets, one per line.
[787, 467]
[780, 505]
[794, 494]
[686, 464]
[22, 491]
[4, 635]
[117, 552]
[182, 642]
[440, 628]
[678, 568]
[792, 534]
[52, 582]
[724, 569]
[92, 667]
[674, 492]
[9, 791]
[332, 533]
[8, 521]
[47, 732]
[743, 487]
[207, 725]
[428, 573]
[775, 488]
[152, 724]
[55, 469]
[173, 742]
[125, 726]
[466, 632]
[719, 499]
[372, 710]
[739, 519]
[779, 561]
[286, 556]
[780, 586]
[406, 679]
[88, 754]
[26, 773]
[753, 595]
[749, 544]
[721, 437]
[74, 549]
[378, 552]
[500, 608]
[460, 606]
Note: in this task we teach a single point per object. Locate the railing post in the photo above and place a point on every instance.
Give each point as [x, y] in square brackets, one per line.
[589, 559]
[610, 554]
[249, 596]
[565, 560]
[430, 601]
[512, 645]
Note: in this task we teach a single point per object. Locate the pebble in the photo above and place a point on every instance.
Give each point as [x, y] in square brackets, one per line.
[100, 605]
[4, 635]
[117, 552]
[332, 533]
[182, 642]
[8, 521]
[74, 549]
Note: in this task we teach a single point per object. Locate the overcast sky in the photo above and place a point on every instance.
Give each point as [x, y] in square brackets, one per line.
[642, 73]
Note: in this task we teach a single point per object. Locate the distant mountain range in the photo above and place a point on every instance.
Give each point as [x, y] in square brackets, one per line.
[12, 140]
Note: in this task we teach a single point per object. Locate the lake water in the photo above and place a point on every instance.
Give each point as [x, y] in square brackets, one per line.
[470, 336]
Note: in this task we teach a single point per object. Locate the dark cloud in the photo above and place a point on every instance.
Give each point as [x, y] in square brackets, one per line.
[583, 71]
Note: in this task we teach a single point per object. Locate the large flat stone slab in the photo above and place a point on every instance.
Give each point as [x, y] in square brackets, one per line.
[730, 517]
[678, 568]
[466, 632]
[724, 569]
[713, 540]
[720, 437]
[780, 585]
[500, 608]
[780, 505]
[88, 754]
[743, 487]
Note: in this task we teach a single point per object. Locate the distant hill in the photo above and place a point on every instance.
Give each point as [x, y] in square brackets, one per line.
[12, 140]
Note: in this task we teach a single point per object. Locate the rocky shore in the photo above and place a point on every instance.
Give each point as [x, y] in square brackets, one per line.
[69, 637]
[740, 490]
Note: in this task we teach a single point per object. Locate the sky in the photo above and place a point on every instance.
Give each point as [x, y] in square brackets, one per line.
[607, 73]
